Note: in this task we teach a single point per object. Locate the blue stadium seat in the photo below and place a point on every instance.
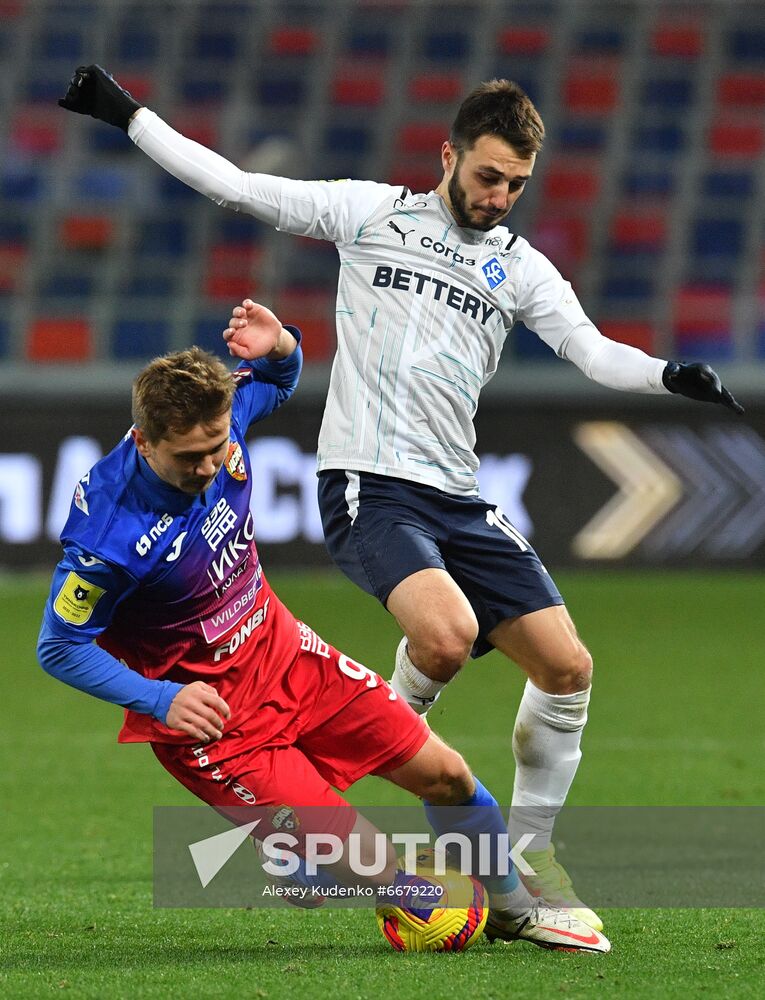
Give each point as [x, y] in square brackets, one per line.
[625, 287]
[446, 45]
[600, 41]
[347, 139]
[658, 139]
[207, 331]
[713, 348]
[138, 338]
[163, 237]
[220, 45]
[43, 89]
[138, 44]
[14, 229]
[103, 183]
[581, 136]
[747, 44]
[527, 346]
[668, 93]
[370, 43]
[108, 140]
[238, 229]
[4, 337]
[718, 237]
[197, 90]
[728, 184]
[151, 285]
[22, 185]
[67, 46]
[282, 92]
[648, 183]
[171, 190]
[68, 285]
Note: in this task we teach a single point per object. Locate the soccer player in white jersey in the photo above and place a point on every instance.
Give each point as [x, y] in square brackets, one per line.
[430, 285]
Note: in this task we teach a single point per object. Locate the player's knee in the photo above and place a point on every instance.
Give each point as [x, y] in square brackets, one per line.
[452, 782]
[440, 652]
[573, 672]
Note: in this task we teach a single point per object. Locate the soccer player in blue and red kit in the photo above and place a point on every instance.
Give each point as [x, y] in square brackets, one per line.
[238, 700]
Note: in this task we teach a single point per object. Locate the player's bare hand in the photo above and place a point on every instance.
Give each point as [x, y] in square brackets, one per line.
[254, 332]
[199, 711]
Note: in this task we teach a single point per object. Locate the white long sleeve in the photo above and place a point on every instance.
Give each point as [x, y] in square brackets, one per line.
[205, 171]
[612, 364]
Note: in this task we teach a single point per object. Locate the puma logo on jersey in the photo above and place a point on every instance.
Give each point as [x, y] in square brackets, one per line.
[392, 225]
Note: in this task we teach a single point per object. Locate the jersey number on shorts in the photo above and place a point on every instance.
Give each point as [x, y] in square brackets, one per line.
[498, 519]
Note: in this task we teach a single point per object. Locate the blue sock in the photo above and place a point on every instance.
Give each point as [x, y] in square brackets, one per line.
[480, 814]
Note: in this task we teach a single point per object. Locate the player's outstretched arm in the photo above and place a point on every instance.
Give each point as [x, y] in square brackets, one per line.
[254, 332]
[198, 710]
[699, 381]
[92, 91]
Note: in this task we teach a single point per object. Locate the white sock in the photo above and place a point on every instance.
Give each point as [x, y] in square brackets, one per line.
[516, 903]
[416, 688]
[546, 737]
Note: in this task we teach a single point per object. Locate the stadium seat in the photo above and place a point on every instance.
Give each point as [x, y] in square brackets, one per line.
[446, 46]
[636, 333]
[374, 43]
[4, 338]
[649, 183]
[737, 140]
[163, 237]
[347, 139]
[747, 45]
[581, 136]
[419, 175]
[669, 93]
[739, 184]
[685, 41]
[288, 41]
[359, 88]
[702, 312]
[138, 338]
[103, 184]
[527, 346]
[562, 238]
[86, 232]
[137, 44]
[13, 260]
[435, 88]
[231, 272]
[637, 231]
[422, 137]
[591, 91]
[527, 41]
[741, 90]
[35, 132]
[65, 45]
[50, 338]
[282, 92]
[215, 45]
[22, 185]
[571, 182]
[599, 41]
[314, 314]
[141, 285]
[661, 139]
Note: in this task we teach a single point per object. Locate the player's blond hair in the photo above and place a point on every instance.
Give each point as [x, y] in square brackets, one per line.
[501, 108]
[178, 391]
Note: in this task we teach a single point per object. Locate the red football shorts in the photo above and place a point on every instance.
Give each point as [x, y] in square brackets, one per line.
[326, 721]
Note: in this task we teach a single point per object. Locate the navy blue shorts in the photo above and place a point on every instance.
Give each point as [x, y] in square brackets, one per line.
[380, 530]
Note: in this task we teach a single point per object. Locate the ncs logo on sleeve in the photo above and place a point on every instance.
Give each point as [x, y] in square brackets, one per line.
[76, 600]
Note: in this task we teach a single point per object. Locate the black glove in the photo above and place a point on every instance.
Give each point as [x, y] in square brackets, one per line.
[698, 381]
[95, 92]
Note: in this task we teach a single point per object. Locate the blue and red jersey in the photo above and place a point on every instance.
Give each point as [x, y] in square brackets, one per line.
[168, 583]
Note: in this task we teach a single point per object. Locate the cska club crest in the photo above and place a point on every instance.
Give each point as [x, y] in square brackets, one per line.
[235, 462]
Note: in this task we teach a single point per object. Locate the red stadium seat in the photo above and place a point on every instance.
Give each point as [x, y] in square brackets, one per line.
[423, 137]
[572, 183]
[359, 88]
[53, 339]
[419, 175]
[564, 239]
[314, 315]
[589, 90]
[676, 39]
[628, 331]
[293, 42]
[86, 232]
[141, 87]
[631, 229]
[747, 140]
[742, 90]
[13, 258]
[35, 132]
[702, 309]
[231, 271]
[436, 88]
[526, 41]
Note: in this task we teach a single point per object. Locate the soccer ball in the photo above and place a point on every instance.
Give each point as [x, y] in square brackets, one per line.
[443, 912]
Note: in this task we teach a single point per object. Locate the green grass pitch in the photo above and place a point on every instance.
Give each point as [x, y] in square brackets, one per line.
[676, 720]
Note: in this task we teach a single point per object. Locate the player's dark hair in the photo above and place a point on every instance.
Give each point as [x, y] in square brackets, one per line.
[178, 391]
[501, 108]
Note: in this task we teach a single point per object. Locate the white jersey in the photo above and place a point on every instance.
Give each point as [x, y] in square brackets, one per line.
[423, 310]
